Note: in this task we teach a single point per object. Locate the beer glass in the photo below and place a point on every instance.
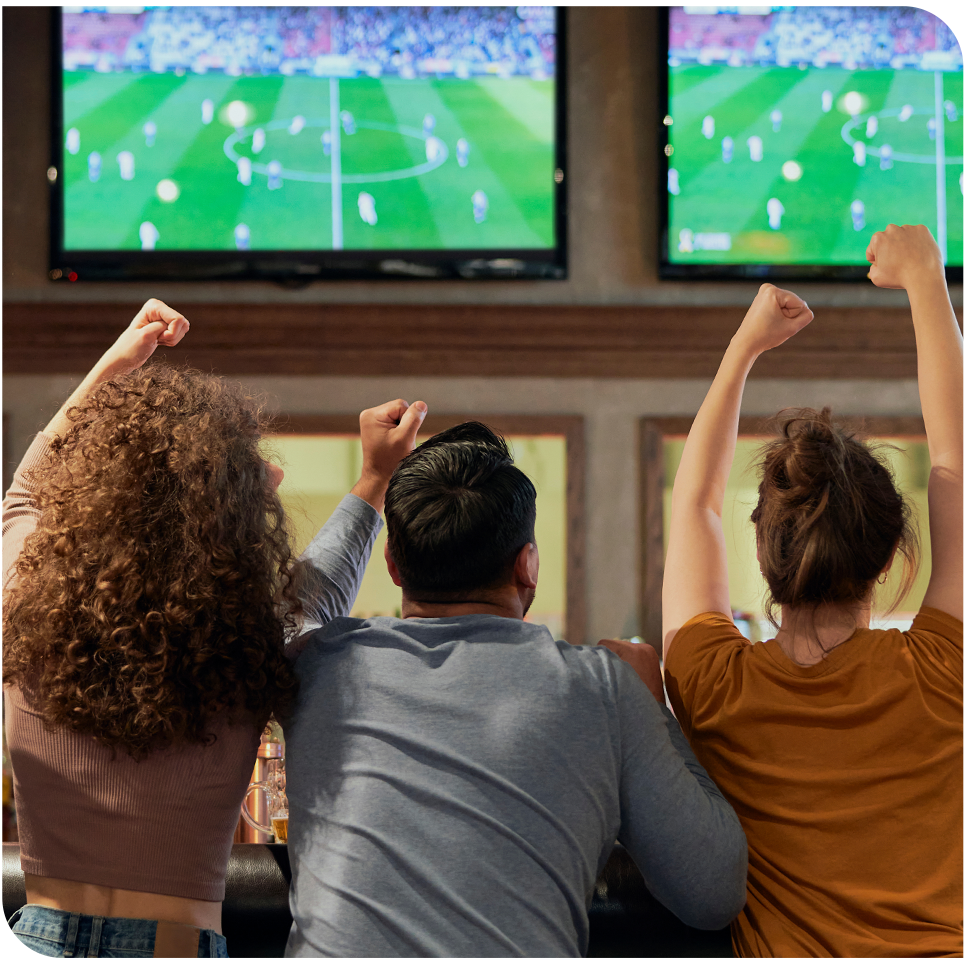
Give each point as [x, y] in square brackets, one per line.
[273, 787]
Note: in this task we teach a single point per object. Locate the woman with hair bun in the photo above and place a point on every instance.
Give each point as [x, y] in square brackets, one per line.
[839, 746]
[151, 610]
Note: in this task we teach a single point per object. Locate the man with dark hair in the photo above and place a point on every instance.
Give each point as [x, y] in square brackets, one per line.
[456, 777]
[459, 512]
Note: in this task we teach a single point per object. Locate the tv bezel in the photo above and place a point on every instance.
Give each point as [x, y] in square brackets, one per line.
[730, 272]
[296, 268]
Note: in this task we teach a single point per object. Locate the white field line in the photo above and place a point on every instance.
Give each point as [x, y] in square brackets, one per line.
[335, 126]
[940, 204]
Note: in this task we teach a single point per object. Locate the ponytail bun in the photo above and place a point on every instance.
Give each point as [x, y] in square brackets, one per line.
[828, 517]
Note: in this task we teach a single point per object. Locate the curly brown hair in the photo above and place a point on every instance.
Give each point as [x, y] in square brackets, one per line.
[157, 589]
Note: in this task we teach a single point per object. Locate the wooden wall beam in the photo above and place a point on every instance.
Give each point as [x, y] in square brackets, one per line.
[465, 340]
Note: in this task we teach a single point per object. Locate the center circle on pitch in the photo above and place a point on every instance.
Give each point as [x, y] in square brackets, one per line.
[321, 177]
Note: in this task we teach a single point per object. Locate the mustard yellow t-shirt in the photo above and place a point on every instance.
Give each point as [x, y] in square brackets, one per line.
[847, 778]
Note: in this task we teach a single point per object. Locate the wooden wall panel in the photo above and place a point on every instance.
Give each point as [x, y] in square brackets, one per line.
[466, 340]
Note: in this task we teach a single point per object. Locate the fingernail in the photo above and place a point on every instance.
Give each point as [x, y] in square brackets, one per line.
[421, 407]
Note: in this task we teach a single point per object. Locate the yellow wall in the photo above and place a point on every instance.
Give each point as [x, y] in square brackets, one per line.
[321, 469]
[910, 464]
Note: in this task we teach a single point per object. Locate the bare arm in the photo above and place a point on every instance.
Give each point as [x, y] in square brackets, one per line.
[695, 574]
[645, 662]
[907, 257]
[155, 324]
[388, 436]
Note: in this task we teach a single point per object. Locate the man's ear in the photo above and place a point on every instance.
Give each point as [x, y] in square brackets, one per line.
[393, 569]
[526, 570]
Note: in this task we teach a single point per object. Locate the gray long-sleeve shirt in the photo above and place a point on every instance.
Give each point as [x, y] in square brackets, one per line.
[456, 785]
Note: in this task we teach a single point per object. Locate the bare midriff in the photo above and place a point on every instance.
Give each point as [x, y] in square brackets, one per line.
[88, 899]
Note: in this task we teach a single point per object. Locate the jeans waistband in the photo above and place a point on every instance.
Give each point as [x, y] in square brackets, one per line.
[77, 936]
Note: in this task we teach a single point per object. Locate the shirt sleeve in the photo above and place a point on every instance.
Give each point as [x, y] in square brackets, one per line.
[703, 667]
[935, 640]
[330, 571]
[677, 826]
[20, 512]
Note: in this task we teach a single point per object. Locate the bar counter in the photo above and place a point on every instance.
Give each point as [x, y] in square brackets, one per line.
[625, 919]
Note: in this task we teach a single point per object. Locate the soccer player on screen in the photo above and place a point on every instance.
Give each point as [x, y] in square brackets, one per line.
[857, 214]
[727, 149]
[367, 208]
[871, 128]
[776, 118]
[149, 236]
[462, 152]
[774, 211]
[827, 101]
[274, 175]
[125, 161]
[207, 111]
[885, 162]
[348, 122]
[673, 181]
[707, 127]
[244, 170]
[480, 206]
[327, 143]
[433, 149]
[428, 125]
[756, 147]
[258, 140]
[73, 141]
[242, 237]
[860, 153]
[150, 132]
[94, 166]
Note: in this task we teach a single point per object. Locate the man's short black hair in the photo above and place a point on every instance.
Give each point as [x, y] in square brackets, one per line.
[458, 511]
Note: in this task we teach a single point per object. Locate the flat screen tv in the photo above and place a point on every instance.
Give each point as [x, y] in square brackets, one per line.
[791, 134]
[300, 143]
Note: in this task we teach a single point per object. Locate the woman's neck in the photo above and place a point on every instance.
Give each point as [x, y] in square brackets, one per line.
[806, 636]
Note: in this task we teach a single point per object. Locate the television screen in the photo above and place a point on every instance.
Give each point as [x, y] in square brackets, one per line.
[794, 133]
[415, 140]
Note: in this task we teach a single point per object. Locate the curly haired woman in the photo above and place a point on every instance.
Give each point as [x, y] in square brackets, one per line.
[151, 615]
[839, 745]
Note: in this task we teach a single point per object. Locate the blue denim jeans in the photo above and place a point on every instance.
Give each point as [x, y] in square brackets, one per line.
[66, 934]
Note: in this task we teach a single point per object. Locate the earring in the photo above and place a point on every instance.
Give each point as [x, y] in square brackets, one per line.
[883, 579]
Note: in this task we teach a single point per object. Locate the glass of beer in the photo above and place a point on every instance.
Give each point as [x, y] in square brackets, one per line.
[273, 787]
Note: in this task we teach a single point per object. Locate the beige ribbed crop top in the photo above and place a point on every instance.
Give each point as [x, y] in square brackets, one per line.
[164, 824]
